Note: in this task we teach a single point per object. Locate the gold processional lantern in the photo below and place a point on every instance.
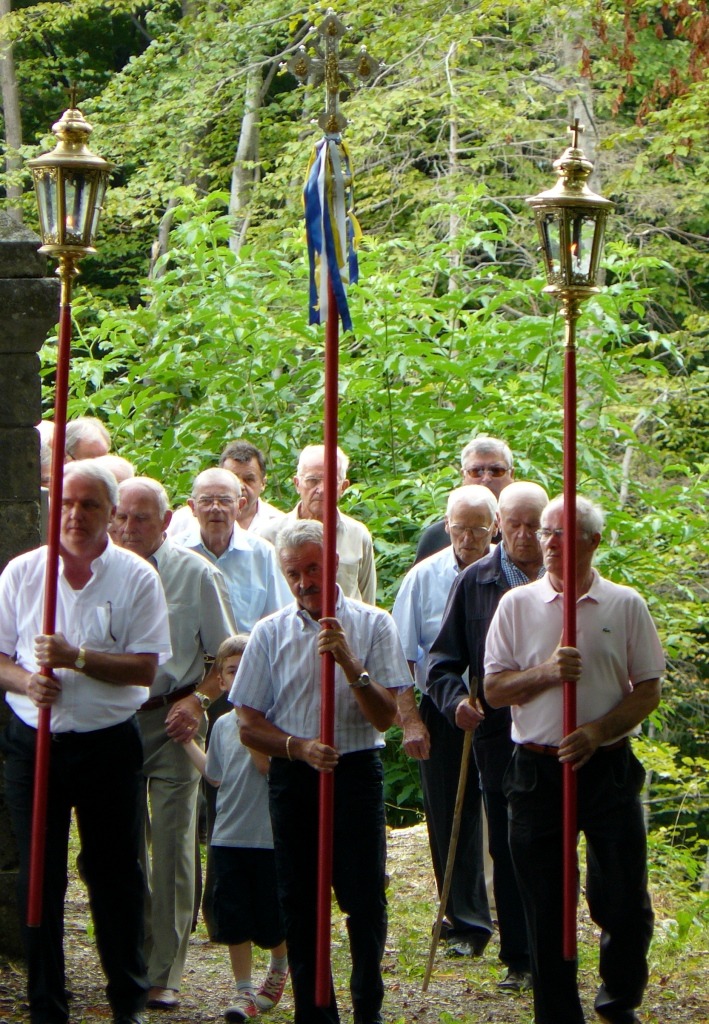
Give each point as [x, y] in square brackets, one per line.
[571, 221]
[70, 183]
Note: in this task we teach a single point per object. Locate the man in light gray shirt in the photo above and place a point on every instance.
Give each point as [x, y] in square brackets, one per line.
[200, 618]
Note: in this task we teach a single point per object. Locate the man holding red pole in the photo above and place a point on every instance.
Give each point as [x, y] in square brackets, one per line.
[111, 631]
[277, 695]
[616, 664]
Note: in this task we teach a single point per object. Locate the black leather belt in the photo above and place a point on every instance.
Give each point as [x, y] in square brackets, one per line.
[163, 699]
[545, 748]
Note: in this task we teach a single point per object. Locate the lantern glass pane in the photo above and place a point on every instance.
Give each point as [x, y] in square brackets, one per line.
[77, 190]
[46, 189]
[98, 204]
[583, 228]
[550, 228]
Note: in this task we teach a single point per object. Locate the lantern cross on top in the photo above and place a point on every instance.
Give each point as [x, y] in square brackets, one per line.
[329, 67]
[576, 129]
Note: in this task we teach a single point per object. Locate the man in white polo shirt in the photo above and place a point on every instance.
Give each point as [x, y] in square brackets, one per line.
[616, 665]
[111, 632]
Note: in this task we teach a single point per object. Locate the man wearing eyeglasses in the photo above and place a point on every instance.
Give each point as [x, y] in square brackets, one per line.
[484, 460]
[356, 574]
[459, 649]
[616, 665]
[256, 584]
[427, 734]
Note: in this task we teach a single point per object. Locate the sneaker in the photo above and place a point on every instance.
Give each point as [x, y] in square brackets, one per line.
[516, 981]
[244, 1008]
[272, 989]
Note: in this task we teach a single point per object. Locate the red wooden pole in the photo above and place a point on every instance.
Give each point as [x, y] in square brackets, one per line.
[67, 271]
[569, 816]
[323, 984]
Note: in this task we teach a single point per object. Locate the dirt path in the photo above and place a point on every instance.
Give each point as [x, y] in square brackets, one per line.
[461, 991]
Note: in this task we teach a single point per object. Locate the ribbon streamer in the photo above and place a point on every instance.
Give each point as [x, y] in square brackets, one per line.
[331, 228]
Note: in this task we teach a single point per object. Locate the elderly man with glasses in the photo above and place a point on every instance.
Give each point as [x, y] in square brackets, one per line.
[256, 584]
[616, 664]
[484, 460]
[427, 734]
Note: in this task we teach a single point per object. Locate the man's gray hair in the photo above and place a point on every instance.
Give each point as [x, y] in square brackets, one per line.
[148, 484]
[318, 451]
[298, 533]
[216, 476]
[590, 517]
[486, 445]
[85, 468]
[84, 428]
[474, 496]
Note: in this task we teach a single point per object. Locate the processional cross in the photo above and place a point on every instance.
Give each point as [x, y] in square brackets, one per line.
[330, 227]
[329, 67]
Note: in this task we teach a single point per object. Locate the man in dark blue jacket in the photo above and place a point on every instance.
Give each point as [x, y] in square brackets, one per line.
[460, 646]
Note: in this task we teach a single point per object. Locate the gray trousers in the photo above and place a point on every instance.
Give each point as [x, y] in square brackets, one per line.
[169, 850]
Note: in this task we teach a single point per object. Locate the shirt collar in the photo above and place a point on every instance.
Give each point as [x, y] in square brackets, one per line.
[592, 594]
[514, 577]
[308, 622]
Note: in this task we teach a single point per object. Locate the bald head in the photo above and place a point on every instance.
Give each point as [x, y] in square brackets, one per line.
[520, 511]
[210, 478]
[216, 501]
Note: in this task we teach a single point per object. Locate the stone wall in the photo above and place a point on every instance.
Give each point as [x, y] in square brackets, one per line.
[29, 305]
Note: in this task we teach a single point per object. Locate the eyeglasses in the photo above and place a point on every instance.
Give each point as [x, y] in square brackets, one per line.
[311, 482]
[546, 534]
[221, 500]
[478, 532]
[481, 471]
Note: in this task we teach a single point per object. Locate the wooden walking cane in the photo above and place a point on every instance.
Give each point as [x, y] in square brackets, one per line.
[452, 847]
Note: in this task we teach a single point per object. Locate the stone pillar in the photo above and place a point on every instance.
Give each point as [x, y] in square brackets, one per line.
[29, 305]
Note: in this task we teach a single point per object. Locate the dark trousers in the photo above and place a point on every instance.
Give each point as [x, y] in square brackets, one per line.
[514, 948]
[467, 909]
[359, 862]
[99, 775]
[610, 816]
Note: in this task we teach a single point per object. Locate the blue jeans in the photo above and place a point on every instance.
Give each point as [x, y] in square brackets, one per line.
[98, 773]
[359, 861]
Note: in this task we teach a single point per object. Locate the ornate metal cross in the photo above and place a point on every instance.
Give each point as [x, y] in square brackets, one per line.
[576, 129]
[327, 66]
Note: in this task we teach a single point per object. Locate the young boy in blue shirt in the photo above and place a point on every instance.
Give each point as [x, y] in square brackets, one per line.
[245, 895]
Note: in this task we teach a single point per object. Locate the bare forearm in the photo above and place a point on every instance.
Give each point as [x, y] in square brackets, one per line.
[377, 704]
[259, 734]
[632, 710]
[503, 689]
[120, 669]
[13, 678]
[197, 756]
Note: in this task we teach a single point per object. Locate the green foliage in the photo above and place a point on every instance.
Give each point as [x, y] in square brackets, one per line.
[452, 332]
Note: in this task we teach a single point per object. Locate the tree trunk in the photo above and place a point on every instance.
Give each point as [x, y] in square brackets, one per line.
[581, 103]
[245, 169]
[13, 123]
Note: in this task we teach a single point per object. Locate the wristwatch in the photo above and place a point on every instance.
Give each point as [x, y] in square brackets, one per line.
[204, 701]
[361, 681]
[80, 659]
